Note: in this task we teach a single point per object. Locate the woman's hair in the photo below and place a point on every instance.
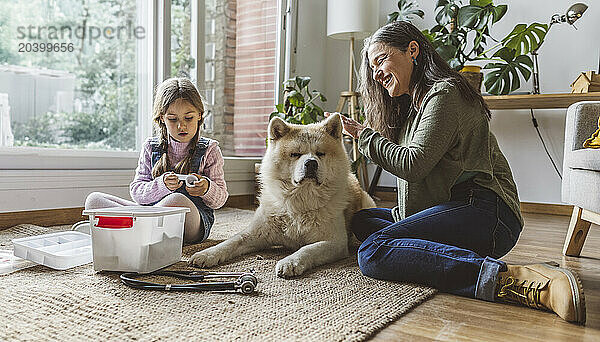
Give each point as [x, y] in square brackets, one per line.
[166, 93]
[387, 114]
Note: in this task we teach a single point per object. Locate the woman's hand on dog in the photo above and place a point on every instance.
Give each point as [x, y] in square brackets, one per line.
[352, 127]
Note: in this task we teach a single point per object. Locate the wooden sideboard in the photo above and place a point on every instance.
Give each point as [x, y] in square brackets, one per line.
[538, 101]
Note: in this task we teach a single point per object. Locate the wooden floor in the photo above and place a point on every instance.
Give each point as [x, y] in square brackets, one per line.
[452, 318]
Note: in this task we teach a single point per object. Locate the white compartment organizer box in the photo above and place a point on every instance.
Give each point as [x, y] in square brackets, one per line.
[60, 250]
[139, 239]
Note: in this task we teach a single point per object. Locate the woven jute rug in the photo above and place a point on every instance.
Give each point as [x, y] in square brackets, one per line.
[331, 303]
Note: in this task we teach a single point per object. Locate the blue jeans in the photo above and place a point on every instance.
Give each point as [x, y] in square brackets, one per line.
[452, 246]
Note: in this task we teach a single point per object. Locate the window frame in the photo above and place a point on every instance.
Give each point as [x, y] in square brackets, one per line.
[155, 16]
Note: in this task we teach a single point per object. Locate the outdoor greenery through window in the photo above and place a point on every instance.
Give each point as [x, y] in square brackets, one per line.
[77, 74]
[181, 19]
[68, 76]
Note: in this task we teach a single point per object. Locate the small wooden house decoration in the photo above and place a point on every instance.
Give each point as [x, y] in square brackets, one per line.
[586, 82]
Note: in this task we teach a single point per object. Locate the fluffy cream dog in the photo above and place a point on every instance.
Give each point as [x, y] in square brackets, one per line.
[307, 198]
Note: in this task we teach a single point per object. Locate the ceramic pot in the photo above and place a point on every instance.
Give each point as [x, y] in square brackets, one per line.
[473, 75]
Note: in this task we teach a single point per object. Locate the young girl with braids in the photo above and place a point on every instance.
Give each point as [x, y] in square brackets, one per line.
[178, 113]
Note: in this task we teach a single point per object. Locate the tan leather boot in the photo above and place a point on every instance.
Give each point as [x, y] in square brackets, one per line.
[544, 287]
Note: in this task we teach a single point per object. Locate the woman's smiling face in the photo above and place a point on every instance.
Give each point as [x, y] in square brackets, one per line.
[182, 120]
[392, 67]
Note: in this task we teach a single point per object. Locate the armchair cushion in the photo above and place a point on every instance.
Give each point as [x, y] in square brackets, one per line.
[585, 159]
[583, 188]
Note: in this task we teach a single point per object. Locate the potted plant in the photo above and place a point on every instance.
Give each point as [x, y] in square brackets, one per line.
[299, 105]
[462, 32]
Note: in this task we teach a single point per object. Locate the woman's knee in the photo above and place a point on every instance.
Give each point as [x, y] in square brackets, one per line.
[367, 258]
[360, 221]
[359, 217]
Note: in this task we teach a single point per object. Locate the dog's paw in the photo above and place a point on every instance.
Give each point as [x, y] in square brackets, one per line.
[204, 259]
[290, 267]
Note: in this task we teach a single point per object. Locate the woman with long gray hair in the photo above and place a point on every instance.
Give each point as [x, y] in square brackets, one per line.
[458, 207]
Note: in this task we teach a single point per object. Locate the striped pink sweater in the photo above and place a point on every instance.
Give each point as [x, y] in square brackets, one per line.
[144, 189]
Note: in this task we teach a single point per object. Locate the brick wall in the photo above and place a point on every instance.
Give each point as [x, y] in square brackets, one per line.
[223, 13]
[256, 33]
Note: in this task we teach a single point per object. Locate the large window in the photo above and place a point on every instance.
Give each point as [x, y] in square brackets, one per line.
[68, 76]
[75, 75]
[239, 41]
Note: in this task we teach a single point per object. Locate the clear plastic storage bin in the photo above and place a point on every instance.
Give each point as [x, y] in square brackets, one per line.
[60, 250]
[136, 238]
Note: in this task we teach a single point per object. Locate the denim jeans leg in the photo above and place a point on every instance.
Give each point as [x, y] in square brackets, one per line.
[451, 246]
[488, 278]
[448, 268]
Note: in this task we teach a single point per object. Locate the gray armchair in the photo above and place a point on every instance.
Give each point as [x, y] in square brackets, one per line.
[581, 174]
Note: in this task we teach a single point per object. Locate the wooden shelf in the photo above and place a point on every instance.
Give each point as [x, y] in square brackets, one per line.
[538, 101]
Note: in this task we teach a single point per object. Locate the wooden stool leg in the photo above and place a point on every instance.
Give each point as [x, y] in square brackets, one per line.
[340, 105]
[578, 230]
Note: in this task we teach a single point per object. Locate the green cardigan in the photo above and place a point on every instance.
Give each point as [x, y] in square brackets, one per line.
[448, 136]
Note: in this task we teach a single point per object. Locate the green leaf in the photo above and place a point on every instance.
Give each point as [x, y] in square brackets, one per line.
[313, 114]
[409, 10]
[447, 52]
[506, 54]
[478, 40]
[280, 108]
[485, 18]
[525, 39]
[306, 117]
[439, 28]
[480, 3]
[319, 114]
[446, 12]
[392, 17]
[302, 81]
[503, 77]
[525, 66]
[441, 3]
[499, 12]
[289, 83]
[278, 114]
[469, 16]
[428, 35]
[296, 99]
[321, 96]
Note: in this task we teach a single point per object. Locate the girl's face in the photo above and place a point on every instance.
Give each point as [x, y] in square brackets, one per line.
[182, 120]
[391, 67]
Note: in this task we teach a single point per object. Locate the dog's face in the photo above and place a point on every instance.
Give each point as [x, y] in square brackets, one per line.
[306, 155]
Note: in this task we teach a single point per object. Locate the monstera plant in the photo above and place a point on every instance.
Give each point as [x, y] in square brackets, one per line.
[461, 35]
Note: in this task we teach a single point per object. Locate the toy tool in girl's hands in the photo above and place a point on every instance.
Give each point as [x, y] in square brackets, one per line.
[188, 179]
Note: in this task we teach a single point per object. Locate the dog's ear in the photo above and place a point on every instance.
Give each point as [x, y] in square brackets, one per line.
[278, 128]
[333, 126]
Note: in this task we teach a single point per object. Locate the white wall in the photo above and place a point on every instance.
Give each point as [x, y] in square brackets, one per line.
[565, 53]
[35, 178]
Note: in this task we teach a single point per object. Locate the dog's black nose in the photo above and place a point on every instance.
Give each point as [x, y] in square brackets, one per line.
[310, 168]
